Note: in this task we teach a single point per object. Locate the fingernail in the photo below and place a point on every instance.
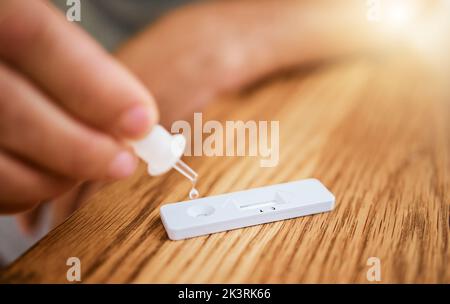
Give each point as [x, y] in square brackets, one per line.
[136, 121]
[122, 166]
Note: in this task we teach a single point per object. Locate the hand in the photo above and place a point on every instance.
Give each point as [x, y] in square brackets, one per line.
[66, 107]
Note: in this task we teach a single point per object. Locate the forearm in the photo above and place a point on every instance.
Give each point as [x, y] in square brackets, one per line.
[203, 49]
[285, 34]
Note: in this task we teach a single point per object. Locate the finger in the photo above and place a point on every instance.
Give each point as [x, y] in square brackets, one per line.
[23, 187]
[80, 75]
[29, 220]
[37, 130]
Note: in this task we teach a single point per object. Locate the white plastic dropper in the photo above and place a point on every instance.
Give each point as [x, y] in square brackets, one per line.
[162, 151]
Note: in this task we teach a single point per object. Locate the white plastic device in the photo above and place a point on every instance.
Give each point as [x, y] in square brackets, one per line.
[162, 151]
[245, 208]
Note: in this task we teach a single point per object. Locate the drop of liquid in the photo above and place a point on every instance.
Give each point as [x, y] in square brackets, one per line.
[193, 194]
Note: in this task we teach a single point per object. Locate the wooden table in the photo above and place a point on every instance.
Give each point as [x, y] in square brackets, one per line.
[374, 130]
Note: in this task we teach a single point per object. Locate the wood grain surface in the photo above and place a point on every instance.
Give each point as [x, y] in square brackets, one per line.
[375, 130]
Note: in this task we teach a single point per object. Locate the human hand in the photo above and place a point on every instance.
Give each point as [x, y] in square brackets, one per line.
[66, 107]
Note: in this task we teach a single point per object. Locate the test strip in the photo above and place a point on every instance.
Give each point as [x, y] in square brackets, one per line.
[245, 208]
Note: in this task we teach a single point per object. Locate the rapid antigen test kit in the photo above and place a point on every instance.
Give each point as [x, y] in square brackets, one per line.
[245, 208]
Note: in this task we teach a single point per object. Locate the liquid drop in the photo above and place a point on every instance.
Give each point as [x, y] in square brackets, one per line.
[193, 194]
